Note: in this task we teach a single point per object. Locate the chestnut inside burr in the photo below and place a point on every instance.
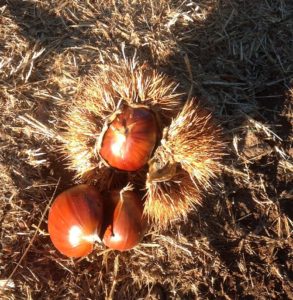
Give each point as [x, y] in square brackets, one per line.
[130, 139]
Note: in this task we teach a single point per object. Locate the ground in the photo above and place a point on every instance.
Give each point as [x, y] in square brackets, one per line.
[236, 57]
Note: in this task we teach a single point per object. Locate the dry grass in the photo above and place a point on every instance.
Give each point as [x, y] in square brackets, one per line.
[236, 56]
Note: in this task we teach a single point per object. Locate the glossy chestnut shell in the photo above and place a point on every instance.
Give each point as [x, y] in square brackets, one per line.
[129, 139]
[75, 220]
[127, 225]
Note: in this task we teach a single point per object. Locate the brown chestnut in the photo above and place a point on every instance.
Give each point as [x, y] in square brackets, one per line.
[129, 140]
[126, 226]
[75, 220]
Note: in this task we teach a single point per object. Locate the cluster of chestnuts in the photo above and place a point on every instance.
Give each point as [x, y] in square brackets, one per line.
[81, 216]
[129, 126]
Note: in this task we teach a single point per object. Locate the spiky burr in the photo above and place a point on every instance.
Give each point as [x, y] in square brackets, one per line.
[99, 97]
[188, 157]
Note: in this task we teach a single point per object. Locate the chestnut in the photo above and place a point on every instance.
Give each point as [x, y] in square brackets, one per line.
[75, 220]
[129, 138]
[126, 224]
